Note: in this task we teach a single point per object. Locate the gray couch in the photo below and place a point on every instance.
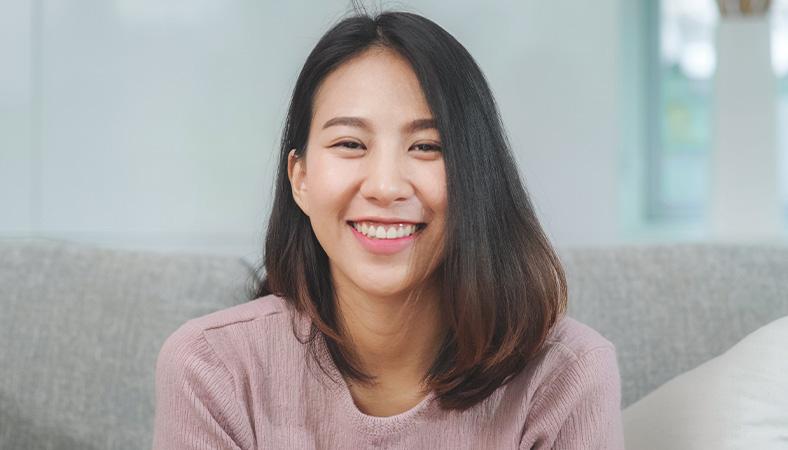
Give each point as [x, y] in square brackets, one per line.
[81, 326]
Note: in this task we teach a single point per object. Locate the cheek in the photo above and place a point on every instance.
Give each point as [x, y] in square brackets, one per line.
[328, 183]
[434, 189]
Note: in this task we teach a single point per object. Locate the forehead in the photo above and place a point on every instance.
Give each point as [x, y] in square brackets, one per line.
[377, 82]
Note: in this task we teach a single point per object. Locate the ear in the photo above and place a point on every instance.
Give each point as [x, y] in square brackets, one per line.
[296, 172]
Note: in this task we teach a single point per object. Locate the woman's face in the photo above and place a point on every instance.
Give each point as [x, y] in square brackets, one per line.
[381, 163]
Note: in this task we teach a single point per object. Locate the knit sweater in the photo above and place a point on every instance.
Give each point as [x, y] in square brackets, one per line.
[239, 379]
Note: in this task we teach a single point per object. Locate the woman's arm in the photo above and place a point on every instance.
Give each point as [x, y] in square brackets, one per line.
[580, 409]
[196, 403]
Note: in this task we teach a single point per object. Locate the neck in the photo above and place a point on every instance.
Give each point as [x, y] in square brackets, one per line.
[392, 344]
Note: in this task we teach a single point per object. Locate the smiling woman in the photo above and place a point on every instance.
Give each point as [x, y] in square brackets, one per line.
[404, 258]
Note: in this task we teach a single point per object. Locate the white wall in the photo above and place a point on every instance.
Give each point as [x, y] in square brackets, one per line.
[555, 70]
[148, 124]
[745, 200]
[18, 181]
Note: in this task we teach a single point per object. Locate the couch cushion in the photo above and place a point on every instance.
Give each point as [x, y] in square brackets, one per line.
[669, 307]
[80, 330]
[736, 400]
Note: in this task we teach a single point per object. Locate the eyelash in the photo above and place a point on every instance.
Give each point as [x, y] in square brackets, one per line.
[435, 148]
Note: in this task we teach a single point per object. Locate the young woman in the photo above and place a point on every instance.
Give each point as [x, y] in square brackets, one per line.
[410, 298]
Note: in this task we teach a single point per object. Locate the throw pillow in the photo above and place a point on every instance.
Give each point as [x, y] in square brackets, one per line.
[738, 400]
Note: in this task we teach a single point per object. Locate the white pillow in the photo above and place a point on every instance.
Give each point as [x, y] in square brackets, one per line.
[738, 400]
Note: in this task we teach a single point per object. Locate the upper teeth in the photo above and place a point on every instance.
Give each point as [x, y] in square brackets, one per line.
[383, 231]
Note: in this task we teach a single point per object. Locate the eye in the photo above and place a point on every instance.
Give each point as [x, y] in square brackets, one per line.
[428, 147]
[349, 144]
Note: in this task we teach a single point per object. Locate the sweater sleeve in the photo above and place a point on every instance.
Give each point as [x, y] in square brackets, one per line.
[580, 408]
[196, 403]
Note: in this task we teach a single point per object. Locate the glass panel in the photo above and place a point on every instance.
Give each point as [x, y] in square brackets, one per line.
[688, 179]
[687, 61]
[779, 18]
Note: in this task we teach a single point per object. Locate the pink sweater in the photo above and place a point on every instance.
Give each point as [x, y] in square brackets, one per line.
[237, 379]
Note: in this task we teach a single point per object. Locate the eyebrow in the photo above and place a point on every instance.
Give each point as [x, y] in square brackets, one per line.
[358, 122]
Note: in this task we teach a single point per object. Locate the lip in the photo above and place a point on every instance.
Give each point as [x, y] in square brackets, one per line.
[389, 220]
[385, 246]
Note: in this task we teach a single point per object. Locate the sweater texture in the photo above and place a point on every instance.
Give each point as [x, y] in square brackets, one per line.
[239, 379]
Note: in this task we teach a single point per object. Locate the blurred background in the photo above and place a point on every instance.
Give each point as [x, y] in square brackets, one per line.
[151, 124]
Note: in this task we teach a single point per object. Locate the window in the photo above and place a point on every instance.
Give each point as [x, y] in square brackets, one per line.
[678, 125]
[779, 49]
[680, 72]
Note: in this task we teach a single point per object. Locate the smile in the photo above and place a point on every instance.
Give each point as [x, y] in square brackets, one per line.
[402, 236]
[386, 231]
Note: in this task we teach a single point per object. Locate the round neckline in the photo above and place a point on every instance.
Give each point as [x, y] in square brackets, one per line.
[375, 425]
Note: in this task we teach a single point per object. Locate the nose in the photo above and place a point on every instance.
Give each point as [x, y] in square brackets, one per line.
[386, 178]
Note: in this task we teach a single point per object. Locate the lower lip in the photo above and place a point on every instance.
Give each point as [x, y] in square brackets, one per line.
[384, 246]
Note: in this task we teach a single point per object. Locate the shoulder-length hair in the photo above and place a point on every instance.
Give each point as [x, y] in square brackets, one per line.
[502, 284]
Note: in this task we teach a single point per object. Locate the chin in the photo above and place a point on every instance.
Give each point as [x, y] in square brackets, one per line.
[384, 291]
[383, 288]
[377, 281]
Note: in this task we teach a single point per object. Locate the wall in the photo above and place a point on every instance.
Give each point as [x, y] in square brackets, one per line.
[146, 124]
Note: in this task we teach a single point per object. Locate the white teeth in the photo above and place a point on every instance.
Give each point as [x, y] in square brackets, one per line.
[384, 232]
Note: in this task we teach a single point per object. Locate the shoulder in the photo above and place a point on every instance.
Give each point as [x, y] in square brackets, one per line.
[224, 335]
[260, 309]
[576, 390]
[575, 353]
[200, 371]
[574, 338]
[257, 309]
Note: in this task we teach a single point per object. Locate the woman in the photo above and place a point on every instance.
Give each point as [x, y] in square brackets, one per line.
[411, 299]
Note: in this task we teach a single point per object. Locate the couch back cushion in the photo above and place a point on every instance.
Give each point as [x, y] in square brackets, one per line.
[80, 329]
[81, 326]
[670, 307]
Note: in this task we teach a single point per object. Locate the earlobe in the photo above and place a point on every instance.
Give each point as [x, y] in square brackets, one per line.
[296, 172]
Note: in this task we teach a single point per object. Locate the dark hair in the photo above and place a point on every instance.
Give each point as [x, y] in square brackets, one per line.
[502, 284]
